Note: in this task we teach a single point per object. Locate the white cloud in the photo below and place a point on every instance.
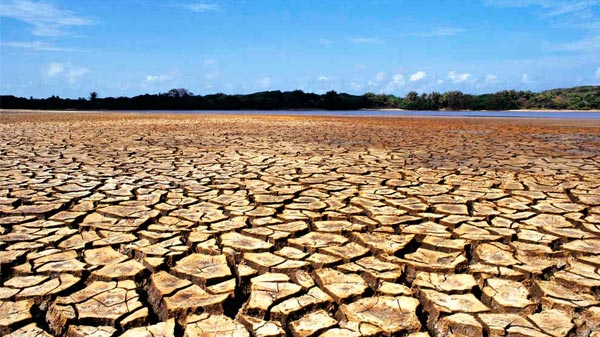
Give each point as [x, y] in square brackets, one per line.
[265, 82]
[323, 78]
[490, 78]
[558, 8]
[377, 82]
[210, 67]
[398, 79]
[201, 7]
[160, 80]
[366, 40]
[75, 73]
[396, 82]
[457, 77]
[419, 75]
[157, 78]
[211, 75]
[440, 31]
[597, 74]
[572, 13]
[525, 79]
[440, 81]
[355, 86]
[325, 42]
[488, 81]
[46, 19]
[33, 45]
[551, 7]
[65, 69]
[55, 68]
[585, 44]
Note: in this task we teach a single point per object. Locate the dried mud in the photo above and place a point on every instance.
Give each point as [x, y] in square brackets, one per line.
[209, 225]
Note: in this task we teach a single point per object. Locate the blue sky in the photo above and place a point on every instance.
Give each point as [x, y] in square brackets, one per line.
[129, 47]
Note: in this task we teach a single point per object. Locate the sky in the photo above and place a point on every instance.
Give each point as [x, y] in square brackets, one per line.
[131, 47]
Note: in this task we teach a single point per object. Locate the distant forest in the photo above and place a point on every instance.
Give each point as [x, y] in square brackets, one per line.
[577, 98]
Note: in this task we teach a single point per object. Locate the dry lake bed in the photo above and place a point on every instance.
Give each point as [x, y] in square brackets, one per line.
[212, 225]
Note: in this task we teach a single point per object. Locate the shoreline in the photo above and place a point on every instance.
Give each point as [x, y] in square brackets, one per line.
[550, 110]
[34, 115]
[558, 115]
[511, 110]
[293, 110]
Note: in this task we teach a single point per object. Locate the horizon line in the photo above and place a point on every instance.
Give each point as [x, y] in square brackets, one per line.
[191, 94]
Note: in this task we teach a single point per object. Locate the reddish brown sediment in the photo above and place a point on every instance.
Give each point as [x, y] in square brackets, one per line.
[235, 225]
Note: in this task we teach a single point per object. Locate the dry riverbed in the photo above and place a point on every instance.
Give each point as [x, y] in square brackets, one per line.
[209, 225]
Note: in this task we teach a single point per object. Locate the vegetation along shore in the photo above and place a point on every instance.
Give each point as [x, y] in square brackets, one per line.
[576, 98]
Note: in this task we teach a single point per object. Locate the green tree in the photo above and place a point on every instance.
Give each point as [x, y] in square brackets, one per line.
[179, 92]
[435, 99]
[455, 100]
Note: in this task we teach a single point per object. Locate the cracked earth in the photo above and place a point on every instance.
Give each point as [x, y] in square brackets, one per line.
[199, 225]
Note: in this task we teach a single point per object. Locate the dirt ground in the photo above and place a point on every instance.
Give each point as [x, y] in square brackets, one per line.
[119, 224]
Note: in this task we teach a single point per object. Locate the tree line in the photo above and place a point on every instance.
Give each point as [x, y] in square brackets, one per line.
[577, 98]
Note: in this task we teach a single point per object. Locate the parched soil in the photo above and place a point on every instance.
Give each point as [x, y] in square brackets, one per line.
[215, 225]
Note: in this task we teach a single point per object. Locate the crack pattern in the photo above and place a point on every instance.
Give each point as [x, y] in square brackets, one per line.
[175, 225]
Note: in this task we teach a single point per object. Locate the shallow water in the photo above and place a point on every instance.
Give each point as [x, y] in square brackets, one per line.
[513, 114]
